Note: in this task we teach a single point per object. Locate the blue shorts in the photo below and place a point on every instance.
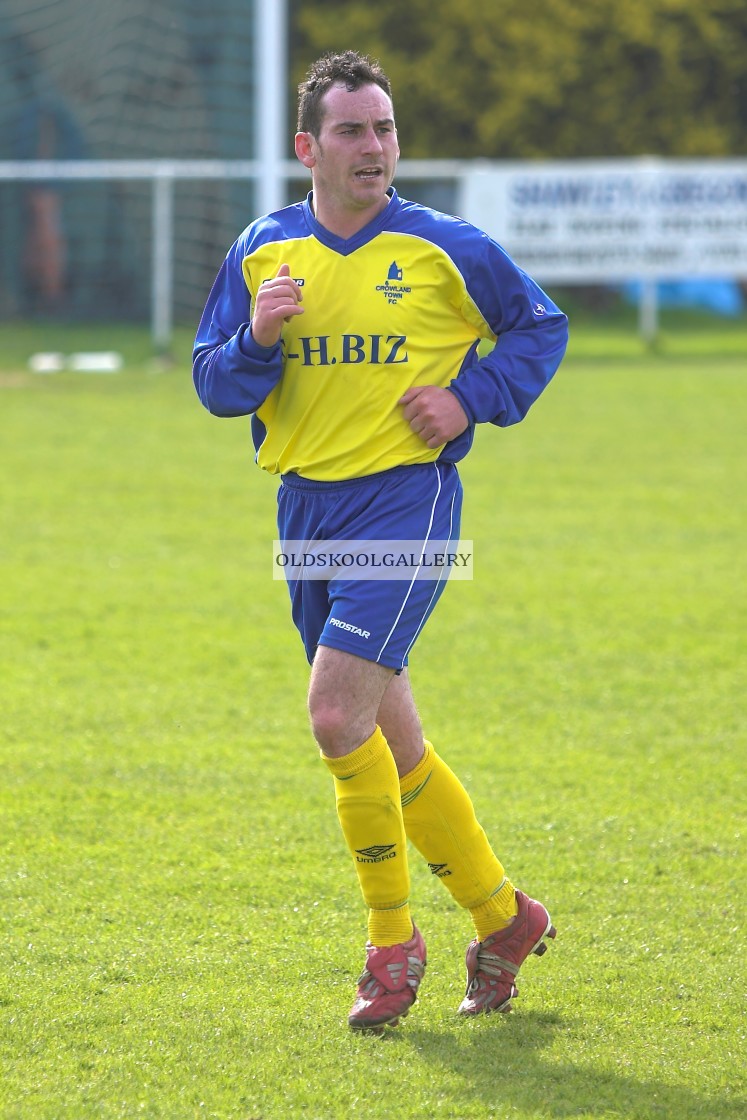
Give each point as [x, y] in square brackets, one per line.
[377, 619]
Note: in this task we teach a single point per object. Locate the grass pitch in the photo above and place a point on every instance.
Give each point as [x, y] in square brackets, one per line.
[180, 928]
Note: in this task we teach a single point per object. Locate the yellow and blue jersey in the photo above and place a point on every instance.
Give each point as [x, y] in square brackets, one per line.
[403, 303]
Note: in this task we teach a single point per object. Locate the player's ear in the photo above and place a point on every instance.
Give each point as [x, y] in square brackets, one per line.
[305, 148]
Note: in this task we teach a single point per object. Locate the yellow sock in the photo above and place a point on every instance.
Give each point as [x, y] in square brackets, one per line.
[370, 814]
[440, 820]
[496, 912]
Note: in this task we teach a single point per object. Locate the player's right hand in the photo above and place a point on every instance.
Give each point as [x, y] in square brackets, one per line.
[277, 301]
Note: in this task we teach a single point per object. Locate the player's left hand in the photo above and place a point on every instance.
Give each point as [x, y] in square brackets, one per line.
[434, 414]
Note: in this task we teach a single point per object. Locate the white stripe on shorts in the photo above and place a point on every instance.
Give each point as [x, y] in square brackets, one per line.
[412, 581]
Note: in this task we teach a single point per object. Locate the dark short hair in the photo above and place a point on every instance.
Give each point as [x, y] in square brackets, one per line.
[350, 69]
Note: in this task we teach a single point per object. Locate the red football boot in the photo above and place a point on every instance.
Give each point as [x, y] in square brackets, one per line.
[492, 964]
[388, 986]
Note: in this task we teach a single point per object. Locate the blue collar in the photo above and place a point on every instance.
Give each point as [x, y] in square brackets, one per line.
[362, 237]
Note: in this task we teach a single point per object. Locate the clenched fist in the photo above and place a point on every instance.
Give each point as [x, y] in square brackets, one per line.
[277, 301]
[434, 414]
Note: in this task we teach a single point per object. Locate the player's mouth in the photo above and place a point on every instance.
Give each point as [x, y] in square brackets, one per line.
[368, 174]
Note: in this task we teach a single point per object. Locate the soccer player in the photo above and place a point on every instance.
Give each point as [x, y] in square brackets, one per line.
[348, 326]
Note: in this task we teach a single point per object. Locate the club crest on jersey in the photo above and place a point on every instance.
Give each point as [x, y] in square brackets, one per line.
[392, 289]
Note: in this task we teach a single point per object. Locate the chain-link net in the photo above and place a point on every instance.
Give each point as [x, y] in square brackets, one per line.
[102, 79]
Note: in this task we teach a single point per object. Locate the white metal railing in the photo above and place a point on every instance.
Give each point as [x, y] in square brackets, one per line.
[481, 197]
[163, 174]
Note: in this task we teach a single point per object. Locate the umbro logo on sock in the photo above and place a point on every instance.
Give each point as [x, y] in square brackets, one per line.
[376, 853]
[439, 869]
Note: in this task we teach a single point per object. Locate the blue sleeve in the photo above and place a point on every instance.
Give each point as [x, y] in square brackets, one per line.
[233, 375]
[532, 337]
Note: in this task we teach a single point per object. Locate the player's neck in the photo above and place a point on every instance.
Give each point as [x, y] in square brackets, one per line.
[342, 221]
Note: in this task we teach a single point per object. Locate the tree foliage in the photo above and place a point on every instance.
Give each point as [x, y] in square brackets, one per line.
[503, 79]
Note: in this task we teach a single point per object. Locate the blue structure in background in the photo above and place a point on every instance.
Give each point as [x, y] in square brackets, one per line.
[724, 297]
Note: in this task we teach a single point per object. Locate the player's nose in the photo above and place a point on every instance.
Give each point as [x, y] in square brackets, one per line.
[371, 141]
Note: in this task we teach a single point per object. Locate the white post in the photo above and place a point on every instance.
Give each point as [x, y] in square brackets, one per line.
[648, 309]
[271, 70]
[162, 271]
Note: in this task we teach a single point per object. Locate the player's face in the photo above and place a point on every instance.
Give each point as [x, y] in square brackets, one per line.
[354, 158]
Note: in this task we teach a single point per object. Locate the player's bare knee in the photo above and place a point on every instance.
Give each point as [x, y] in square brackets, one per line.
[325, 720]
[335, 727]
